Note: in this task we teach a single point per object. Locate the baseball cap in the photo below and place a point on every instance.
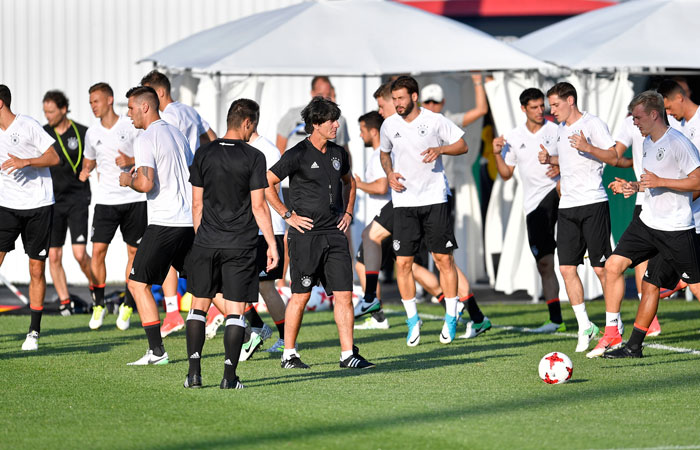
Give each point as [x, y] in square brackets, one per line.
[431, 92]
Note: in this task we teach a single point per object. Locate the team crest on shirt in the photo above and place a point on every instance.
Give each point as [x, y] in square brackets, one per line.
[691, 133]
[72, 143]
[423, 129]
[14, 139]
[123, 136]
[306, 281]
[397, 245]
[336, 163]
[660, 154]
[547, 140]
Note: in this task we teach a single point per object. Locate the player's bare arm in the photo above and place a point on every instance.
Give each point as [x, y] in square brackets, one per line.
[261, 212]
[350, 192]
[689, 184]
[608, 155]
[141, 180]
[376, 187]
[299, 223]
[197, 206]
[88, 166]
[393, 177]
[545, 158]
[504, 170]
[47, 159]
[457, 148]
[123, 160]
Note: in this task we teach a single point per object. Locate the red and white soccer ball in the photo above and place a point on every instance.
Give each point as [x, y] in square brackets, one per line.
[556, 368]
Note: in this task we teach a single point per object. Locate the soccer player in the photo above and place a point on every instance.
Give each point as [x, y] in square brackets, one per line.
[319, 172]
[228, 206]
[72, 195]
[665, 226]
[418, 138]
[109, 148]
[162, 158]
[26, 200]
[520, 147]
[584, 145]
[197, 131]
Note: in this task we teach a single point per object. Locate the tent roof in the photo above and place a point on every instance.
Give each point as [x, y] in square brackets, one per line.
[634, 34]
[343, 37]
[502, 8]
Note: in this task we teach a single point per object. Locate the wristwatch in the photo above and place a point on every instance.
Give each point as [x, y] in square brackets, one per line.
[287, 215]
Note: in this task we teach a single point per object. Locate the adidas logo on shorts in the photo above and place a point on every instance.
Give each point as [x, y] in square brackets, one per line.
[449, 244]
[80, 238]
[42, 252]
[602, 258]
[397, 245]
[685, 275]
[314, 165]
[132, 271]
[262, 273]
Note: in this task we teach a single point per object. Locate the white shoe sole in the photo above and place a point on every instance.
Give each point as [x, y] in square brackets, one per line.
[213, 327]
[596, 352]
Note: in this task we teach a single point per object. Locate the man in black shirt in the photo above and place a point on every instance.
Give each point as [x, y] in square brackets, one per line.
[319, 172]
[72, 195]
[228, 207]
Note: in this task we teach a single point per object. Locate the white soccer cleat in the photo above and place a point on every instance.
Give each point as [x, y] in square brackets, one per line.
[413, 337]
[150, 359]
[585, 337]
[371, 323]
[98, 316]
[31, 343]
[124, 317]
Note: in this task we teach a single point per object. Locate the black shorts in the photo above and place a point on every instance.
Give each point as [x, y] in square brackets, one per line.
[161, 247]
[581, 228]
[386, 217]
[637, 211]
[680, 250]
[73, 215]
[319, 257]
[131, 218]
[432, 222]
[261, 259]
[387, 254]
[540, 226]
[233, 272]
[34, 225]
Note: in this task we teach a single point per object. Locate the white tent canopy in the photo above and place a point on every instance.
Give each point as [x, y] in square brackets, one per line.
[342, 37]
[632, 35]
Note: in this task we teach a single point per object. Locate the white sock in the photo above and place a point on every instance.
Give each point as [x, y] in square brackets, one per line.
[581, 316]
[410, 307]
[640, 296]
[451, 306]
[288, 353]
[345, 355]
[612, 319]
[171, 304]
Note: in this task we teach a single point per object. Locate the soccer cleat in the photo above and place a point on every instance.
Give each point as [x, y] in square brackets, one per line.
[623, 352]
[214, 320]
[173, 322]
[356, 361]
[31, 343]
[551, 327]
[413, 337]
[277, 347]
[370, 323]
[610, 341]
[265, 332]
[363, 307]
[98, 316]
[66, 309]
[475, 329]
[293, 363]
[250, 346]
[449, 329]
[150, 359]
[124, 317]
[585, 337]
[654, 328]
[231, 384]
[193, 381]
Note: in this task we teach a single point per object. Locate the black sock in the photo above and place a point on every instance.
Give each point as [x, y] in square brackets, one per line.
[98, 295]
[233, 341]
[253, 318]
[473, 309]
[371, 279]
[441, 300]
[155, 342]
[195, 326]
[379, 315]
[636, 339]
[554, 310]
[128, 298]
[280, 328]
[35, 320]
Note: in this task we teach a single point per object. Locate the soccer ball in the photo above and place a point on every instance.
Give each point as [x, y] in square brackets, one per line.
[556, 368]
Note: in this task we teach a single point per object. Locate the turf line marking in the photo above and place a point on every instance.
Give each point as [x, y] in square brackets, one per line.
[669, 348]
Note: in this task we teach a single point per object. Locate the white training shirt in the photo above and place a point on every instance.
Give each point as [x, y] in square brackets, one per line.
[629, 135]
[187, 120]
[162, 147]
[673, 156]
[426, 184]
[30, 187]
[582, 173]
[522, 149]
[690, 129]
[272, 155]
[103, 145]
[374, 172]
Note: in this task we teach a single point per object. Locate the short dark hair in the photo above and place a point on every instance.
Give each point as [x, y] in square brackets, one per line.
[563, 90]
[156, 79]
[240, 110]
[318, 111]
[104, 87]
[530, 94]
[57, 97]
[668, 88]
[383, 91]
[5, 95]
[372, 120]
[318, 78]
[147, 93]
[404, 81]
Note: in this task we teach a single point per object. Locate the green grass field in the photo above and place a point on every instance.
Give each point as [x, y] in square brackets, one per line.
[77, 392]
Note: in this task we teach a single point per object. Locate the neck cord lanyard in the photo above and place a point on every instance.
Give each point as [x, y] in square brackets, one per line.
[65, 152]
